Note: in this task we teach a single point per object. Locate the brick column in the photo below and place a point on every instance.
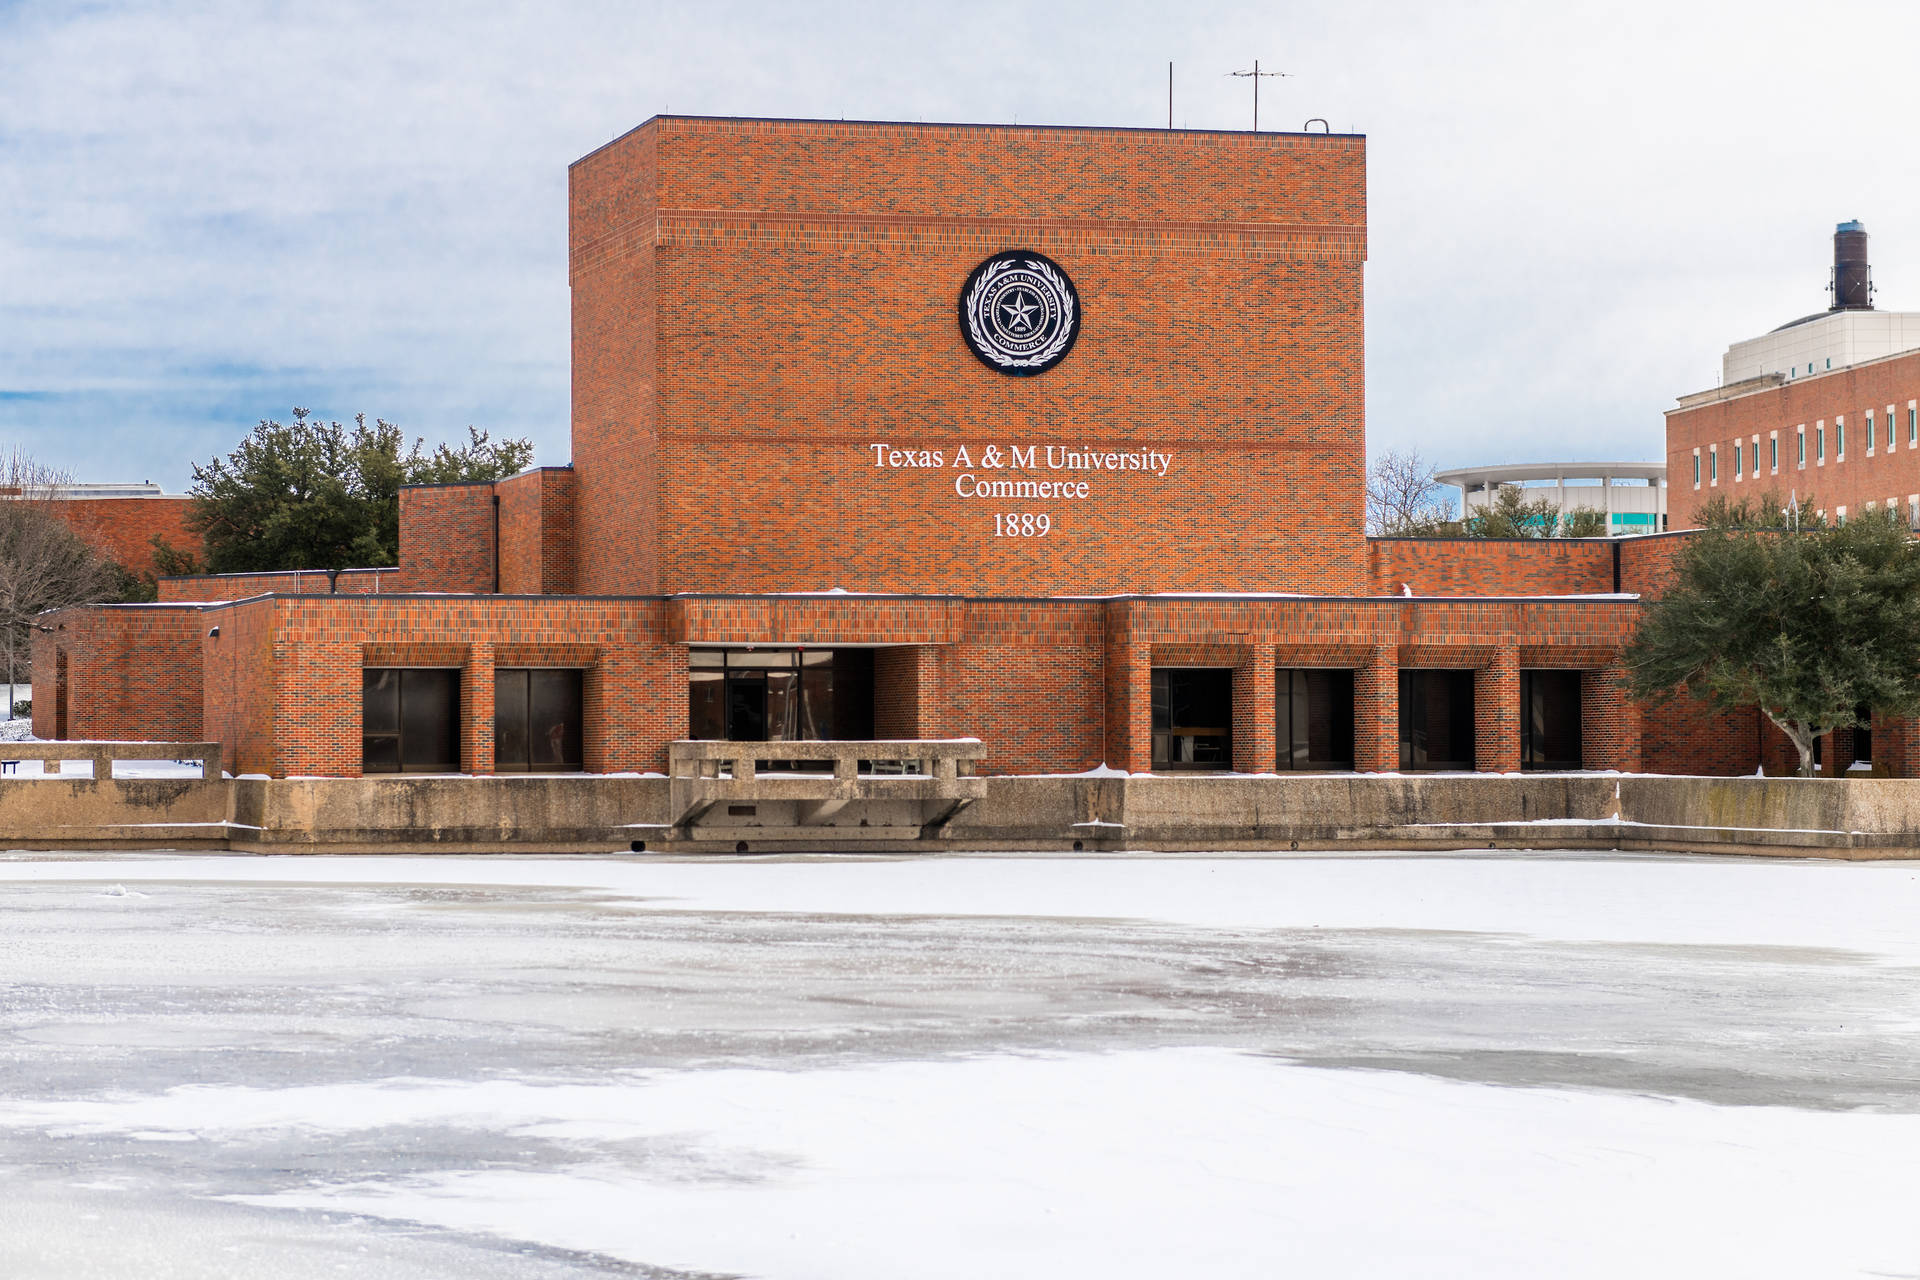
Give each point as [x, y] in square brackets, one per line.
[930, 692]
[1376, 711]
[1896, 742]
[1254, 750]
[1496, 712]
[1129, 706]
[476, 696]
[1609, 721]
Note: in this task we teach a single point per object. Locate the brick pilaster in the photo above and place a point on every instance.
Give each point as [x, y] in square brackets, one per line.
[1609, 721]
[1376, 711]
[1253, 745]
[476, 695]
[1496, 712]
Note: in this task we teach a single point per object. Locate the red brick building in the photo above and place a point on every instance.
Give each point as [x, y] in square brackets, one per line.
[1824, 410]
[1052, 438]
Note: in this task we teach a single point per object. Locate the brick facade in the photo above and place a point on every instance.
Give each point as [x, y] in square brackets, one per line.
[536, 532]
[123, 529]
[1828, 411]
[757, 305]
[449, 537]
[1049, 685]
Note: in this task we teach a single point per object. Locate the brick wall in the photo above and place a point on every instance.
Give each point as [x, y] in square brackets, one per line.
[897, 691]
[1048, 685]
[1686, 735]
[1490, 566]
[132, 672]
[122, 529]
[311, 582]
[1823, 403]
[447, 534]
[536, 532]
[757, 304]
[1646, 564]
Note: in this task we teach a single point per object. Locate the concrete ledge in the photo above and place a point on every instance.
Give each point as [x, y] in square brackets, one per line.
[1852, 819]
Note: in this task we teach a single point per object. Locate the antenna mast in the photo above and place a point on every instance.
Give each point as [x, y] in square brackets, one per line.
[1256, 75]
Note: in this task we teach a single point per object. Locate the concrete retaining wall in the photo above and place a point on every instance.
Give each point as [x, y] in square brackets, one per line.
[1877, 818]
[130, 813]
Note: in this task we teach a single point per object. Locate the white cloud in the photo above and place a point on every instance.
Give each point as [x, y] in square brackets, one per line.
[211, 212]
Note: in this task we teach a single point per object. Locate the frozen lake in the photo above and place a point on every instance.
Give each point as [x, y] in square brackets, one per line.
[1489, 1066]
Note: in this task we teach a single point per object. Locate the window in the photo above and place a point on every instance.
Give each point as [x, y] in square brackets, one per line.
[409, 720]
[1713, 464]
[1889, 428]
[1801, 436]
[1549, 719]
[1820, 445]
[1913, 425]
[1436, 719]
[780, 695]
[1839, 439]
[1313, 710]
[1870, 436]
[536, 720]
[1756, 457]
[1913, 510]
[1192, 718]
[1738, 472]
[1773, 454]
[1839, 515]
[1696, 468]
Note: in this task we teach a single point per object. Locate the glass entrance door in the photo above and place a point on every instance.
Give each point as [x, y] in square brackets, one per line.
[746, 706]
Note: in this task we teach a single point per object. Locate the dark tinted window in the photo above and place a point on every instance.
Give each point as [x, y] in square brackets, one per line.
[1192, 718]
[410, 720]
[780, 695]
[1436, 719]
[1314, 718]
[537, 714]
[1550, 719]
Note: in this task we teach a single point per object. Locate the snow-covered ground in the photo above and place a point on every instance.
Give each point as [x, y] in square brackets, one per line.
[1375, 1065]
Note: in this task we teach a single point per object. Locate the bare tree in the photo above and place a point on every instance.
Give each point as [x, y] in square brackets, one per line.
[44, 564]
[1403, 497]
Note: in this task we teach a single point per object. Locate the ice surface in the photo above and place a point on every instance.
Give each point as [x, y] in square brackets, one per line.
[863, 1067]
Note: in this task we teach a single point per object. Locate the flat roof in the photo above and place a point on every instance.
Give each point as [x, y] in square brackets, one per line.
[1514, 471]
[970, 124]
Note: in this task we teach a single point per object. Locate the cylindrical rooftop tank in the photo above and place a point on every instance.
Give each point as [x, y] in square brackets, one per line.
[1852, 278]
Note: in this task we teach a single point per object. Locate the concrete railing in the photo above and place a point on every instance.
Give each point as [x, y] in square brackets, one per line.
[904, 757]
[908, 784]
[103, 754]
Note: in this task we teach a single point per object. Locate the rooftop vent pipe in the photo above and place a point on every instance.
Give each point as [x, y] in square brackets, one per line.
[1852, 279]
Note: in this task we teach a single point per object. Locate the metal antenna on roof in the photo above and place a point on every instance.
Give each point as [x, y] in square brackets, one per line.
[1169, 95]
[1256, 75]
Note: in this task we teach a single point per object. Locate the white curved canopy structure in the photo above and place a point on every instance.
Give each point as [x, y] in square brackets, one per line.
[1632, 494]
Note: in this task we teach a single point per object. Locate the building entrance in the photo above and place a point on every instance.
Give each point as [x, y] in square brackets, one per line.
[780, 695]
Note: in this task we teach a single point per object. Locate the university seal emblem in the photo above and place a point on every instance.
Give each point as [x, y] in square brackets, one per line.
[1019, 313]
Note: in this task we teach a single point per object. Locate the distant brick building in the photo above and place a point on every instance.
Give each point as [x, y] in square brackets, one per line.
[121, 521]
[1824, 410]
[1053, 438]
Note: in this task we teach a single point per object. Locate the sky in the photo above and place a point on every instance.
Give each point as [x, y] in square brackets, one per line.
[213, 212]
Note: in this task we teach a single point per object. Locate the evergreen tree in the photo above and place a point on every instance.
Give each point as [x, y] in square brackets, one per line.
[321, 495]
[1510, 515]
[1583, 522]
[1808, 625]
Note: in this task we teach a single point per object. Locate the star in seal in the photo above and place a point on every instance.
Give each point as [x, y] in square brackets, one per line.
[1019, 312]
